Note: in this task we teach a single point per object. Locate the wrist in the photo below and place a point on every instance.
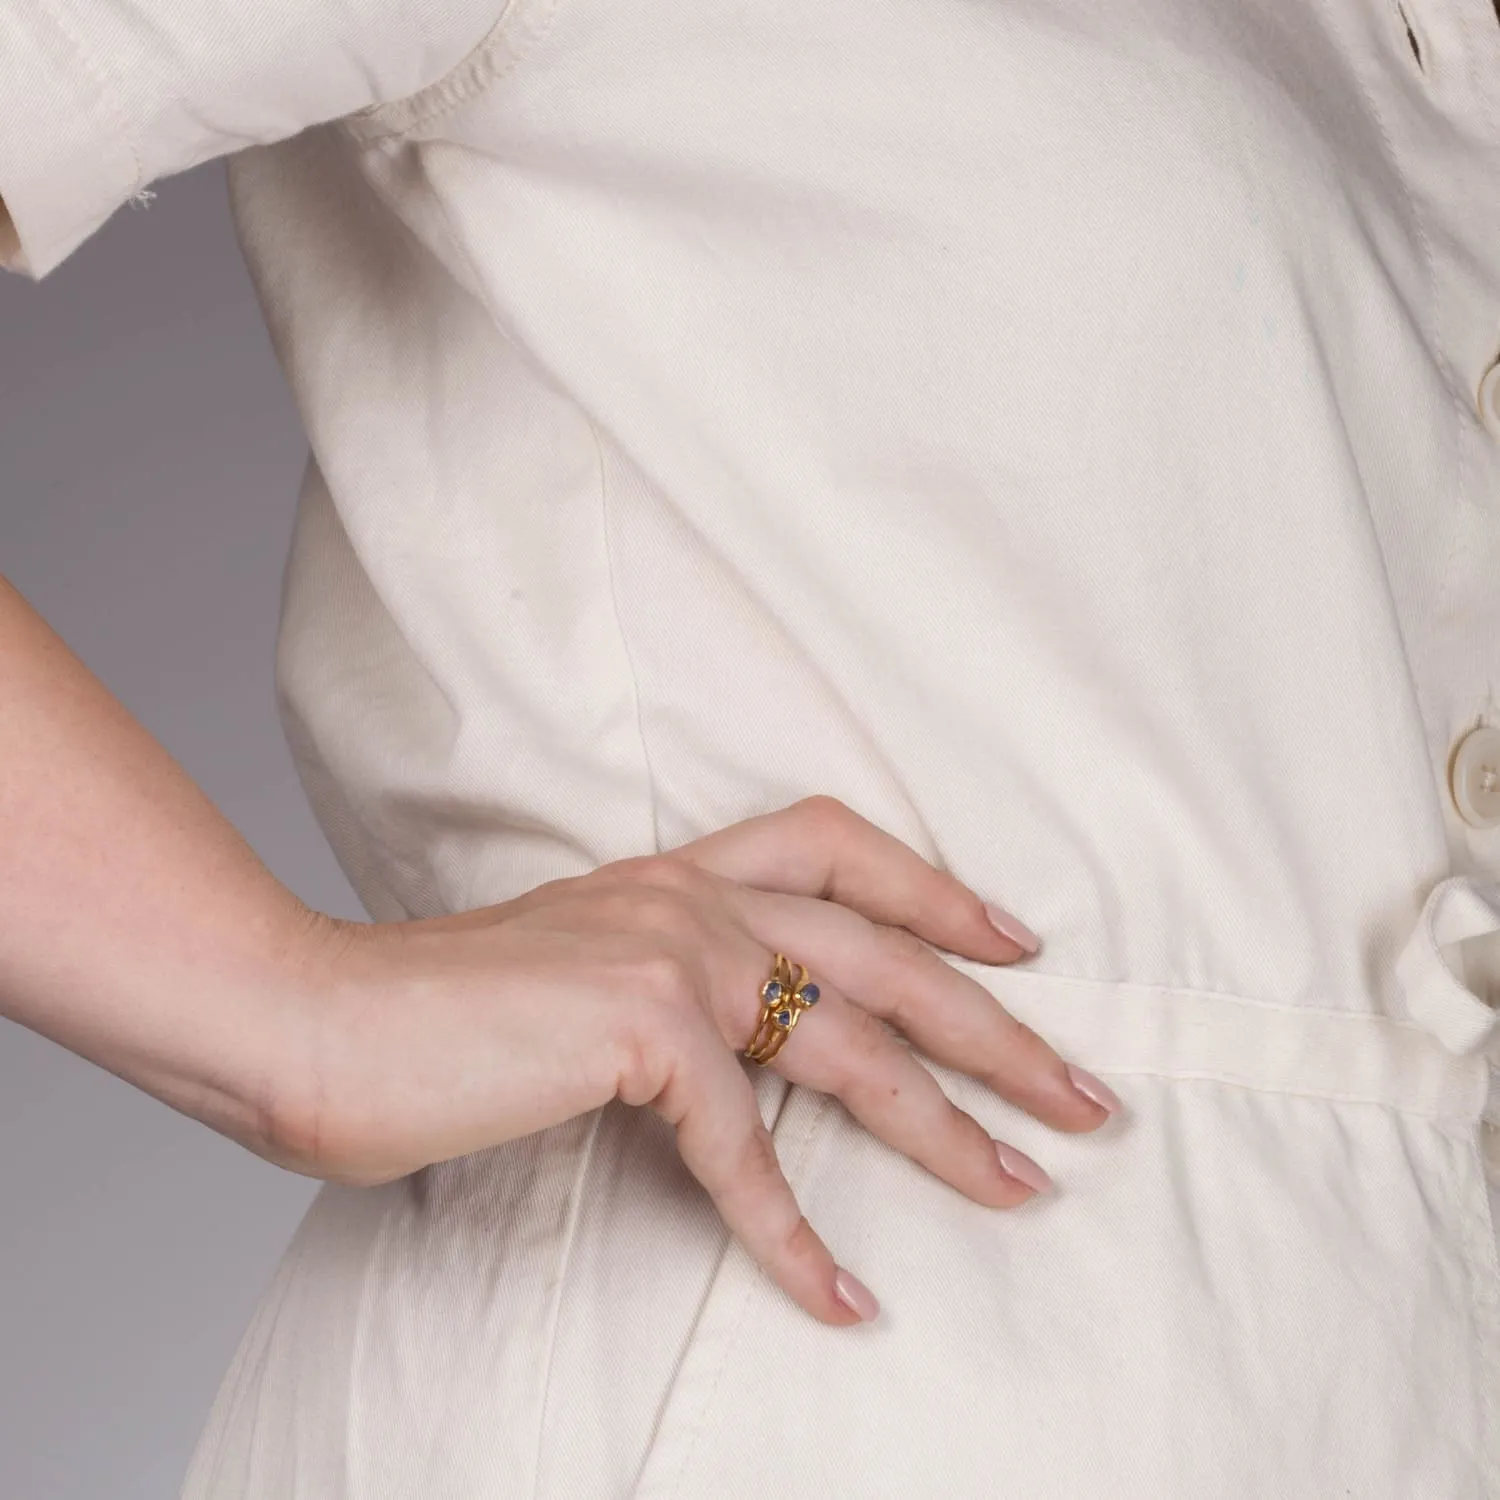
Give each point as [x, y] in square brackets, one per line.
[288, 1102]
[230, 1034]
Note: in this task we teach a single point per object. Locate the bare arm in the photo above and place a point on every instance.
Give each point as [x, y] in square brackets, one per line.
[137, 928]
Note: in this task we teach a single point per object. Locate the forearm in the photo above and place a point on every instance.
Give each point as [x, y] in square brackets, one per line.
[137, 928]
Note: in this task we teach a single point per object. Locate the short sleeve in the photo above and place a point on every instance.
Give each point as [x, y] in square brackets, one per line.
[99, 98]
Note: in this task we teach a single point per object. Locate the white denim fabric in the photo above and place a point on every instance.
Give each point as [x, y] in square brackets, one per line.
[1064, 432]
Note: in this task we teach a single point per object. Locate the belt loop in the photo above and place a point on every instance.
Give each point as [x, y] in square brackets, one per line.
[1457, 908]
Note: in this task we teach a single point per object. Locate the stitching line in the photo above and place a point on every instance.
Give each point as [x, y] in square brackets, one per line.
[1482, 1259]
[467, 79]
[697, 1425]
[570, 1234]
[1046, 978]
[481, 293]
[358, 1343]
[1317, 1095]
[1427, 323]
[614, 604]
[107, 96]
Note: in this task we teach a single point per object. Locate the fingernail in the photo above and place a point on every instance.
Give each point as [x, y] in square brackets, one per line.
[855, 1295]
[1022, 1168]
[1092, 1088]
[1012, 927]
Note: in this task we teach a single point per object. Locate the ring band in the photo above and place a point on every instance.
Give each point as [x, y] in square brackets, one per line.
[781, 1003]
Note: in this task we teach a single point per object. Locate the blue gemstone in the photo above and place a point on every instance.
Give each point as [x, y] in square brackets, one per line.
[773, 990]
[809, 996]
[783, 1018]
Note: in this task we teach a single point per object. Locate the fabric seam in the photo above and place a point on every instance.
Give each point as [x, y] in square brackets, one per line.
[1020, 977]
[466, 79]
[481, 295]
[624, 638]
[564, 1259]
[1429, 324]
[699, 1421]
[1436, 1116]
[1468, 30]
[1482, 1257]
[1484, 1316]
[106, 95]
[361, 1321]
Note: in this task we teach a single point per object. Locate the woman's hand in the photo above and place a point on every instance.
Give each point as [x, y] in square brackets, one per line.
[139, 930]
[640, 981]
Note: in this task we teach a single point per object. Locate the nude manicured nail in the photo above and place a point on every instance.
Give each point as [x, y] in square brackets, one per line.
[855, 1295]
[1093, 1088]
[1020, 1166]
[1012, 927]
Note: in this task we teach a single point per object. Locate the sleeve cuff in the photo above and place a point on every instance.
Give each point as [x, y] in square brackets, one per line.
[66, 161]
[100, 98]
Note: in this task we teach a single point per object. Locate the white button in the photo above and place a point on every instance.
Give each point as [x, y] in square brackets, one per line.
[1488, 399]
[1474, 777]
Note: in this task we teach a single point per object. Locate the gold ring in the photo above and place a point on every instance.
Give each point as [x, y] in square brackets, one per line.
[781, 1003]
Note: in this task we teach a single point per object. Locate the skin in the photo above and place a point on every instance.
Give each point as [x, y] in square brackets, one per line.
[139, 930]
[9, 244]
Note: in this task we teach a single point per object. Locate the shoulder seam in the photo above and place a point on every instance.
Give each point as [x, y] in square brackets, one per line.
[519, 25]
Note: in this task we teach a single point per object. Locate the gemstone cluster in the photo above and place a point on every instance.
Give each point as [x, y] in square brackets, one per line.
[806, 996]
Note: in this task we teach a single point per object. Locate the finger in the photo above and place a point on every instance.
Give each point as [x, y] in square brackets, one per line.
[724, 1143]
[888, 1090]
[840, 1049]
[948, 1015]
[820, 847]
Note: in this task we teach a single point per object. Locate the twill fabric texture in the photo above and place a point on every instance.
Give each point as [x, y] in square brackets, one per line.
[1065, 433]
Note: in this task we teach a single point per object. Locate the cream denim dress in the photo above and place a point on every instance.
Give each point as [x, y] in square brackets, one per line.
[1067, 433]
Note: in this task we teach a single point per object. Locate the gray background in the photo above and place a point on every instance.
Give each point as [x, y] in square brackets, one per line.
[149, 460]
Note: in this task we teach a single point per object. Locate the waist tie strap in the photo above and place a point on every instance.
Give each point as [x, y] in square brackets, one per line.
[1457, 909]
[1439, 1063]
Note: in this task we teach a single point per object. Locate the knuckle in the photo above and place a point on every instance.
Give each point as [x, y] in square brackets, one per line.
[903, 945]
[611, 908]
[664, 979]
[648, 1046]
[759, 1160]
[662, 872]
[638, 1067]
[563, 885]
[1035, 1045]
[910, 972]
[869, 1042]
[632, 867]
[871, 1035]
[660, 912]
[800, 1240]
[970, 1132]
[654, 987]
[1040, 1058]
[823, 815]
